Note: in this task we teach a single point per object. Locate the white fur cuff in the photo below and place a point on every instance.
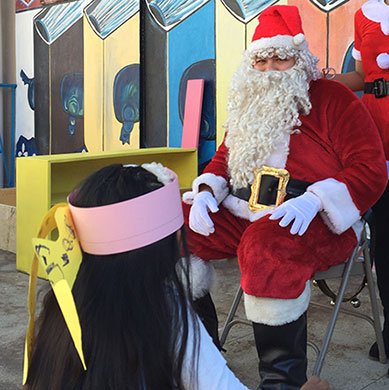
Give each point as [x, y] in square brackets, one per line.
[356, 54]
[202, 276]
[276, 312]
[217, 183]
[339, 211]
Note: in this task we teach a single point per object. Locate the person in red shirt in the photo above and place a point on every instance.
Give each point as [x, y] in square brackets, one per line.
[371, 75]
[284, 121]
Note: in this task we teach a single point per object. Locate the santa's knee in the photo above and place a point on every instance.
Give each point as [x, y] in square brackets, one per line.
[275, 311]
[267, 239]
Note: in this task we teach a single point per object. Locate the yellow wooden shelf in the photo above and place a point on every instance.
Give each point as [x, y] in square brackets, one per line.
[42, 181]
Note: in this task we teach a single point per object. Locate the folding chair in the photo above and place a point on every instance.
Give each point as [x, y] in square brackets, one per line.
[342, 272]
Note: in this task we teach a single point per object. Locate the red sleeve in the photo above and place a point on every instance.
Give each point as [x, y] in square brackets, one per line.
[218, 164]
[357, 143]
[357, 30]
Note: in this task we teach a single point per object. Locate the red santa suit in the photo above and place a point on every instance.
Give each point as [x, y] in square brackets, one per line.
[371, 46]
[339, 151]
[321, 133]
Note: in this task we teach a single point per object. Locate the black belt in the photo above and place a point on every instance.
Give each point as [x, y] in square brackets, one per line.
[268, 190]
[379, 87]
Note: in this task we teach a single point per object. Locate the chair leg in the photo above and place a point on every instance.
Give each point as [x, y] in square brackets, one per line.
[229, 321]
[374, 306]
[335, 313]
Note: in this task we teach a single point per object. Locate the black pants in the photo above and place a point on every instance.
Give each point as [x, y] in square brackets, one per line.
[381, 215]
[205, 309]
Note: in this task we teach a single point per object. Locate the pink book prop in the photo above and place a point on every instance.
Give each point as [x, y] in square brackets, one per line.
[192, 114]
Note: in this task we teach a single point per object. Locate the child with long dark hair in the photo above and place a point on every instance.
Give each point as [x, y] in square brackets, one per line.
[131, 291]
[138, 328]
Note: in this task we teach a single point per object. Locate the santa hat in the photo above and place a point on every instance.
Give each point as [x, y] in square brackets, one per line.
[279, 26]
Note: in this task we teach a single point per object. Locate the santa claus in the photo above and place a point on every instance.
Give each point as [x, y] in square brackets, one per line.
[300, 163]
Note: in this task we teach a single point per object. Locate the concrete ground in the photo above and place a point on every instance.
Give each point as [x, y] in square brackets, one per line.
[346, 366]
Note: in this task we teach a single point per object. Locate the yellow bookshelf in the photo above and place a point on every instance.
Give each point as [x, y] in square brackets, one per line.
[42, 181]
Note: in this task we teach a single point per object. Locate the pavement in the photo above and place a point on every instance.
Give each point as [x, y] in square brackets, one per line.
[346, 366]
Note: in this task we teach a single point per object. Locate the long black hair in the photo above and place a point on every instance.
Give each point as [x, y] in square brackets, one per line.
[133, 308]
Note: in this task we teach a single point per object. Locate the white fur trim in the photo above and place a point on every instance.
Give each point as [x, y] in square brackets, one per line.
[383, 60]
[385, 26]
[217, 183]
[188, 197]
[356, 54]
[162, 173]
[377, 11]
[240, 208]
[358, 227]
[298, 39]
[201, 275]
[276, 312]
[278, 41]
[278, 158]
[339, 211]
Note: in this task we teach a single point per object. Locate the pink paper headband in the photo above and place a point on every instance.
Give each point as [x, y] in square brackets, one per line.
[131, 224]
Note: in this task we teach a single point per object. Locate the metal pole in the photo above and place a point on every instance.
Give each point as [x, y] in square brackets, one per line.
[331, 325]
[12, 157]
[10, 173]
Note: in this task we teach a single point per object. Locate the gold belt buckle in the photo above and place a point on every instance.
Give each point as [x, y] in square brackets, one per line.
[283, 177]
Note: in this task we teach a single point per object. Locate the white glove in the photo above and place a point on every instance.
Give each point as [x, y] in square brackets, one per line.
[199, 220]
[301, 209]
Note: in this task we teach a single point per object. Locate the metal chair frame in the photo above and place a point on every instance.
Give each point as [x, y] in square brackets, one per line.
[342, 271]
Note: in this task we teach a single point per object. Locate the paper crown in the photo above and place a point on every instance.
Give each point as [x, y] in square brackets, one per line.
[103, 230]
[130, 224]
[279, 26]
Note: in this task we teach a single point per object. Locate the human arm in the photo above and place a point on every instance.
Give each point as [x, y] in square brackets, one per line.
[212, 370]
[348, 134]
[214, 179]
[208, 191]
[354, 80]
[315, 383]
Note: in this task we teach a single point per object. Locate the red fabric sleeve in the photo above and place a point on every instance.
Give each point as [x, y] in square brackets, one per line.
[218, 164]
[357, 30]
[357, 143]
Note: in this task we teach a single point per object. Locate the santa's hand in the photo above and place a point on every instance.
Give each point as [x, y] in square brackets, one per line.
[199, 220]
[300, 210]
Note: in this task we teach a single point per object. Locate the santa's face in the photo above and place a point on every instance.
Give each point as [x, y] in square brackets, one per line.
[267, 64]
[264, 107]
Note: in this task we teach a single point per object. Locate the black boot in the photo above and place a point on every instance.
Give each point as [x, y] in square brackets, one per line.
[282, 352]
[205, 309]
[373, 353]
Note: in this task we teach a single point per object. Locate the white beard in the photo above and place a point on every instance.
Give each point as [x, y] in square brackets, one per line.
[263, 111]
